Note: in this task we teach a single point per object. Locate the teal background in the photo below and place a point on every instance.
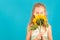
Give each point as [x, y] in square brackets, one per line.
[15, 15]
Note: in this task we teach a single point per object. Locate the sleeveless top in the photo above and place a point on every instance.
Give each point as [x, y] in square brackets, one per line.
[35, 33]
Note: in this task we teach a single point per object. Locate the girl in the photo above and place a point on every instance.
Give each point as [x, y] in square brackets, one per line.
[45, 33]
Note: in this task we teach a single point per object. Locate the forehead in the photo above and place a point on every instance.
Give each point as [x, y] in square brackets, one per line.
[40, 7]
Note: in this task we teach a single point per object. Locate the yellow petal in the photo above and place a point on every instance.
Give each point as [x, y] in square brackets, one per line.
[34, 20]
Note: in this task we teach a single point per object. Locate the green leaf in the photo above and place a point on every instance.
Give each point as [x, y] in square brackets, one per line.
[33, 27]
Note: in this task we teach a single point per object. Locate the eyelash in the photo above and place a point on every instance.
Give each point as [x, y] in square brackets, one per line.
[37, 12]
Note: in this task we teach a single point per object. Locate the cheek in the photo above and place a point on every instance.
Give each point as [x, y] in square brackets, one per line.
[42, 12]
[37, 10]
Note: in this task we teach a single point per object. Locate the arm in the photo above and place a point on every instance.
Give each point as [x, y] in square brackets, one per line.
[49, 33]
[28, 34]
[28, 37]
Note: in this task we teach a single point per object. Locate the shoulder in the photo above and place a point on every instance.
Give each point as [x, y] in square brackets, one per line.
[49, 28]
[28, 27]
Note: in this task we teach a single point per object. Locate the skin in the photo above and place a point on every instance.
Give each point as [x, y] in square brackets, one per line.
[40, 10]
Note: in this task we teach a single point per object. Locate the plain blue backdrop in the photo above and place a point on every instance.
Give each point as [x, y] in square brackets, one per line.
[15, 15]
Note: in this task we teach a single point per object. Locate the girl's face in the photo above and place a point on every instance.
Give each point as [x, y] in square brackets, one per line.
[39, 10]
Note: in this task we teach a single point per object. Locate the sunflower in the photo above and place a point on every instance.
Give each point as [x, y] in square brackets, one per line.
[39, 19]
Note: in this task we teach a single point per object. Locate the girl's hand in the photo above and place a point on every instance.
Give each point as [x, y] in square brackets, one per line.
[40, 35]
